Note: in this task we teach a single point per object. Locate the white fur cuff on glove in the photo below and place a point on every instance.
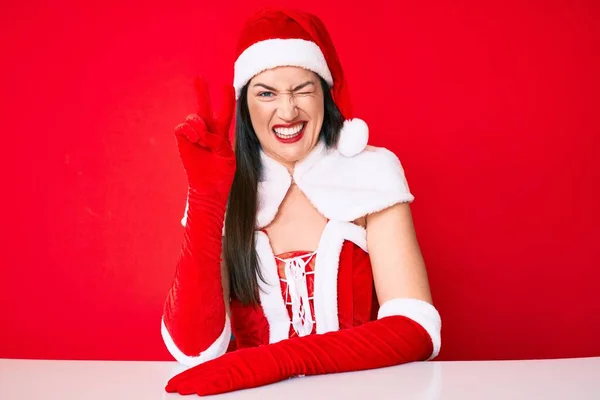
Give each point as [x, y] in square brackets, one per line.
[419, 311]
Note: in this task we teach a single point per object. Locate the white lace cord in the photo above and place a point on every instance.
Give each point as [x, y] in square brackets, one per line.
[295, 275]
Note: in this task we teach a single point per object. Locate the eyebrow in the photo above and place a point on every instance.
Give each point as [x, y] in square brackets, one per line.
[300, 86]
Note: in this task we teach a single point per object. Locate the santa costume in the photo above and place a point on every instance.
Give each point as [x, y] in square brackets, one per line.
[318, 309]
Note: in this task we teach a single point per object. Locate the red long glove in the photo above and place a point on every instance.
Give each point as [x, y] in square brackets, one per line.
[381, 343]
[194, 312]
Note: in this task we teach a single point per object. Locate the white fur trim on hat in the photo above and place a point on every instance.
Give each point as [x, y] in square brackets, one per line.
[273, 53]
[353, 137]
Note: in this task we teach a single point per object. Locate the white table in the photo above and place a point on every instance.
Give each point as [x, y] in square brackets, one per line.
[577, 378]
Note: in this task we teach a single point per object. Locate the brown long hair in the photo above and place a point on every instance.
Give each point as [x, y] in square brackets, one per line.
[239, 251]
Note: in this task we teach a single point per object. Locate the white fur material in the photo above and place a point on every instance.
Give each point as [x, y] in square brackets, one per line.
[326, 270]
[271, 298]
[272, 189]
[217, 349]
[273, 53]
[340, 188]
[353, 137]
[419, 311]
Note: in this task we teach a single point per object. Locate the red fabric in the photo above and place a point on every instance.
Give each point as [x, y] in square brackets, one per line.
[355, 287]
[249, 325]
[194, 311]
[381, 343]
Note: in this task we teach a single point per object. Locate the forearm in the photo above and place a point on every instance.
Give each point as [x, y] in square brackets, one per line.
[383, 343]
[195, 325]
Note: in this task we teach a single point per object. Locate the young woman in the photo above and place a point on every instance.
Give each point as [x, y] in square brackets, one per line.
[301, 242]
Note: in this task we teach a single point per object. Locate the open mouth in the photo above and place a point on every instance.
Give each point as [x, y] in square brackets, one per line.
[290, 132]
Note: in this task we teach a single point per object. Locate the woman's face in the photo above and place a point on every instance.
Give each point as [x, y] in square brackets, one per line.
[286, 108]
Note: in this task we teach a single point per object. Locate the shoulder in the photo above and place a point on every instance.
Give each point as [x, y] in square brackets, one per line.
[346, 188]
[380, 159]
[375, 168]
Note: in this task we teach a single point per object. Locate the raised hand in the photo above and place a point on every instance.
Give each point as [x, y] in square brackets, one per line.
[203, 140]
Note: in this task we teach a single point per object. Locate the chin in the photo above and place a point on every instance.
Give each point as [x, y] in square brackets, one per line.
[291, 153]
[288, 155]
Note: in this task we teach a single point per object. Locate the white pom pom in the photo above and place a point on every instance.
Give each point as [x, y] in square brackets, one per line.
[353, 137]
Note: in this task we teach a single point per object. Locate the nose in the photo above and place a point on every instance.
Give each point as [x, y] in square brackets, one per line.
[287, 109]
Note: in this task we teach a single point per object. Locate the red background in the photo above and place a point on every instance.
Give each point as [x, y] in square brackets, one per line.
[491, 106]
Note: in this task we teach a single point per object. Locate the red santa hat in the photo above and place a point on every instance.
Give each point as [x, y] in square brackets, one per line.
[280, 37]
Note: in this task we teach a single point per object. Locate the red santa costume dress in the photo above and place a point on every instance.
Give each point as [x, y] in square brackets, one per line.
[318, 309]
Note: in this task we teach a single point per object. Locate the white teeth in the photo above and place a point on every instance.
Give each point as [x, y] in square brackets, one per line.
[287, 133]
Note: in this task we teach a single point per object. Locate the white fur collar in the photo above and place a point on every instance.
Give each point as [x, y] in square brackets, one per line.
[341, 188]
